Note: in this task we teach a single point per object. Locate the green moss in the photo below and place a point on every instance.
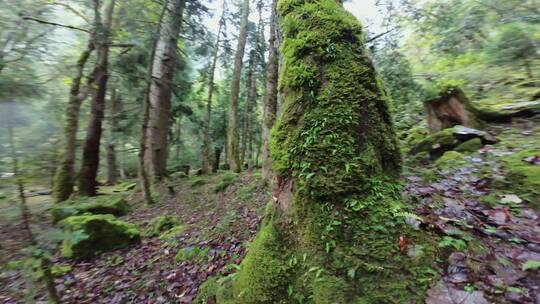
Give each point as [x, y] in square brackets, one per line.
[523, 177]
[198, 181]
[191, 254]
[451, 160]
[106, 204]
[263, 277]
[60, 270]
[471, 145]
[161, 224]
[94, 234]
[226, 180]
[443, 139]
[172, 233]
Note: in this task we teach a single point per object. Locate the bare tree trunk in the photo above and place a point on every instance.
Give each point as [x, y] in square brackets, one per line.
[115, 108]
[90, 161]
[271, 96]
[65, 174]
[161, 87]
[232, 128]
[211, 84]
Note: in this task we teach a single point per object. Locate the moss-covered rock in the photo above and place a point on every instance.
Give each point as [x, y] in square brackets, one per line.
[438, 143]
[106, 204]
[94, 234]
[448, 139]
[161, 224]
[523, 177]
[451, 160]
[471, 145]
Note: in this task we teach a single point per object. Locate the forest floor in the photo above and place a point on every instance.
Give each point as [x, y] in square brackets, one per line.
[489, 237]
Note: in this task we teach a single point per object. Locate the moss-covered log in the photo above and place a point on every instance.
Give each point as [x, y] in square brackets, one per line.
[336, 233]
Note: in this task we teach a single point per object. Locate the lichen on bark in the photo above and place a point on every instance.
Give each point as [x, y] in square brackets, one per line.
[333, 236]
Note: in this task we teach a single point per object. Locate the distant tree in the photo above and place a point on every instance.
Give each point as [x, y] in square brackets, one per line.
[271, 94]
[232, 128]
[512, 44]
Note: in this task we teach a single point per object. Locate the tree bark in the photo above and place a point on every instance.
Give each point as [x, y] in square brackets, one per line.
[217, 156]
[90, 161]
[144, 178]
[211, 86]
[232, 128]
[161, 88]
[271, 95]
[115, 108]
[333, 233]
[178, 136]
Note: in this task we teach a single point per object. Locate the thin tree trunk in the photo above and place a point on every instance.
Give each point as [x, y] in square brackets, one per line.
[90, 161]
[115, 107]
[232, 128]
[178, 141]
[207, 118]
[144, 179]
[248, 119]
[217, 155]
[161, 87]
[271, 95]
[65, 174]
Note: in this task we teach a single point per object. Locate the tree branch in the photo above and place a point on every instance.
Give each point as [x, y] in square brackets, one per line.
[56, 24]
[378, 36]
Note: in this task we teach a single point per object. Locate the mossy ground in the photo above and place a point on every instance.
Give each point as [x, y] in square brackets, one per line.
[219, 225]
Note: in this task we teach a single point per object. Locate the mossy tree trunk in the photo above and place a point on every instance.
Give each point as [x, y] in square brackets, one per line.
[232, 127]
[271, 95]
[333, 233]
[90, 161]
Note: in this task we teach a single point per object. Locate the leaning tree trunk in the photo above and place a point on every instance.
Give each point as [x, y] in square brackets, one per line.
[90, 161]
[333, 233]
[211, 86]
[450, 109]
[271, 96]
[232, 128]
[161, 87]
